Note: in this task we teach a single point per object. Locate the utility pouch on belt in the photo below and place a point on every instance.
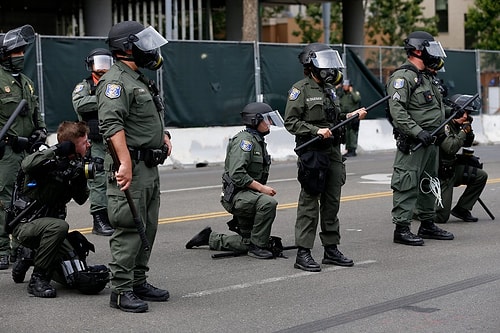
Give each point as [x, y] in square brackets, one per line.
[446, 170]
[403, 142]
[312, 169]
[151, 157]
[229, 190]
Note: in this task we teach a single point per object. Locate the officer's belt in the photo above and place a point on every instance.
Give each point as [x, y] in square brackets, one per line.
[151, 157]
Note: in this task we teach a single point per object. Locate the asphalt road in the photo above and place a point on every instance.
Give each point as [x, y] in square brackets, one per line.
[443, 286]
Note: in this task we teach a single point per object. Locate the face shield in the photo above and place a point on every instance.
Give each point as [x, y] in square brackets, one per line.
[434, 49]
[273, 118]
[102, 62]
[148, 39]
[18, 37]
[327, 59]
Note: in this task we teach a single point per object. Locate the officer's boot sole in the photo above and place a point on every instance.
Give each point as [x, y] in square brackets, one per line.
[308, 269]
[329, 261]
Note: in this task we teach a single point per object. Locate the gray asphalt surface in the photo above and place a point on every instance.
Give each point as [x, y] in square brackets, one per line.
[443, 286]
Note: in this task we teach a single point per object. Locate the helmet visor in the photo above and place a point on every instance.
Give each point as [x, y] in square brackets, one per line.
[19, 37]
[102, 62]
[273, 118]
[435, 49]
[149, 39]
[327, 59]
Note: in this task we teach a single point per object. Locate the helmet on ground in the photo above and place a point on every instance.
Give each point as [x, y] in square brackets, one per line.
[324, 62]
[145, 43]
[15, 39]
[432, 52]
[93, 280]
[101, 59]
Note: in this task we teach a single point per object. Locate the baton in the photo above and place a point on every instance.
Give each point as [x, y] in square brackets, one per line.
[450, 118]
[137, 219]
[486, 208]
[237, 254]
[318, 137]
[22, 104]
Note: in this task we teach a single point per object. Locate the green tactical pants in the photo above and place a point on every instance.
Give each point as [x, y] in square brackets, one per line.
[255, 212]
[322, 208]
[475, 185]
[46, 235]
[9, 167]
[410, 176]
[97, 186]
[129, 261]
[222, 242]
[351, 138]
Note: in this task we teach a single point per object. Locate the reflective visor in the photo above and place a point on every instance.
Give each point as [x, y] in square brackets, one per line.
[327, 59]
[19, 37]
[102, 62]
[273, 118]
[435, 49]
[149, 39]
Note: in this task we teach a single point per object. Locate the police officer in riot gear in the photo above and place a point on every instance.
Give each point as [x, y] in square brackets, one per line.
[245, 193]
[416, 109]
[26, 130]
[98, 62]
[131, 118]
[459, 169]
[48, 180]
[311, 110]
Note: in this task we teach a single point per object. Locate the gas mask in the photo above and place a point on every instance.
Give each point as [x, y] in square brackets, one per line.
[326, 65]
[14, 65]
[146, 48]
[147, 59]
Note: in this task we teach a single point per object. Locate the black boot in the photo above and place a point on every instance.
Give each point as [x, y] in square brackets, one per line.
[127, 301]
[23, 263]
[429, 230]
[101, 223]
[463, 214]
[259, 252]
[200, 238]
[403, 235]
[148, 292]
[39, 285]
[333, 256]
[4, 261]
[350, 153]
[305, 261]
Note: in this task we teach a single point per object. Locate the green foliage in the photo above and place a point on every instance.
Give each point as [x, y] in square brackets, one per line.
[483, 21]
[311, 27]
[390, 21]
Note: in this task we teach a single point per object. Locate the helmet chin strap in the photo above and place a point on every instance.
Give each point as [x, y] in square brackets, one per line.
[125, 58]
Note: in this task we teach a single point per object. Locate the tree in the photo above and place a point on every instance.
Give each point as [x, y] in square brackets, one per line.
[483, 22]
[250, 13]
[311, 28]
[390, 21]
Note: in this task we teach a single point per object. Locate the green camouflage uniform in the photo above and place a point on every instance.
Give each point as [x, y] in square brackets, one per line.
[125, 103]
[247, 160]
[306, 112]
[454, 173]
[350, 101]
[412, 113]
[11, 93]
[85, 105]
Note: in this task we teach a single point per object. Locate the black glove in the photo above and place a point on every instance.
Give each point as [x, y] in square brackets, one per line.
[38, 135]
[65, 148]
[466, 127]
[425, 137]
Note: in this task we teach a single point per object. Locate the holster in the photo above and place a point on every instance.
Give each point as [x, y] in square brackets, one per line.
[229, 190]
[151, 157]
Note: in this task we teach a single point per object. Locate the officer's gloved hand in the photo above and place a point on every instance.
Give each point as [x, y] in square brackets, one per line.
[65, 148]
[425, 137]
[38, 135]
[466, 127]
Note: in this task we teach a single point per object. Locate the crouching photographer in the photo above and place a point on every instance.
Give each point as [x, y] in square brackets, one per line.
[47, 181]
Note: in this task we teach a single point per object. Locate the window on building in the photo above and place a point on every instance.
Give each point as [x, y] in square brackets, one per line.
[442, 14]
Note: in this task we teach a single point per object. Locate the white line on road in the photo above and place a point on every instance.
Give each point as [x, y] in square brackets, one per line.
[219, 186]
[270, 280]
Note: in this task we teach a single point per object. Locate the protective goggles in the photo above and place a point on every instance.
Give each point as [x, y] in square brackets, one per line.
[102, 62]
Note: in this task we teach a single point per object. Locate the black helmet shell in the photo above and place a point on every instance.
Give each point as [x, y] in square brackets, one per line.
[120, 36]
[252, 113]
[417, 40]
[305, 57]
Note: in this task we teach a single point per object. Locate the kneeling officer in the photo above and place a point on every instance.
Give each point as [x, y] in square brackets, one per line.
[245, 193]
[48, 180]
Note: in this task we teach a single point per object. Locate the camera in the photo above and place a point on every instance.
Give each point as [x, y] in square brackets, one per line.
[88, 166]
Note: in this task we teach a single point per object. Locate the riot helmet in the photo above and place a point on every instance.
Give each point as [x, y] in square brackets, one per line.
[256, 112]
[144, 43]
[99, 60]
[432, 52]
[16, 39]
[323, 62]
[459, 100]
